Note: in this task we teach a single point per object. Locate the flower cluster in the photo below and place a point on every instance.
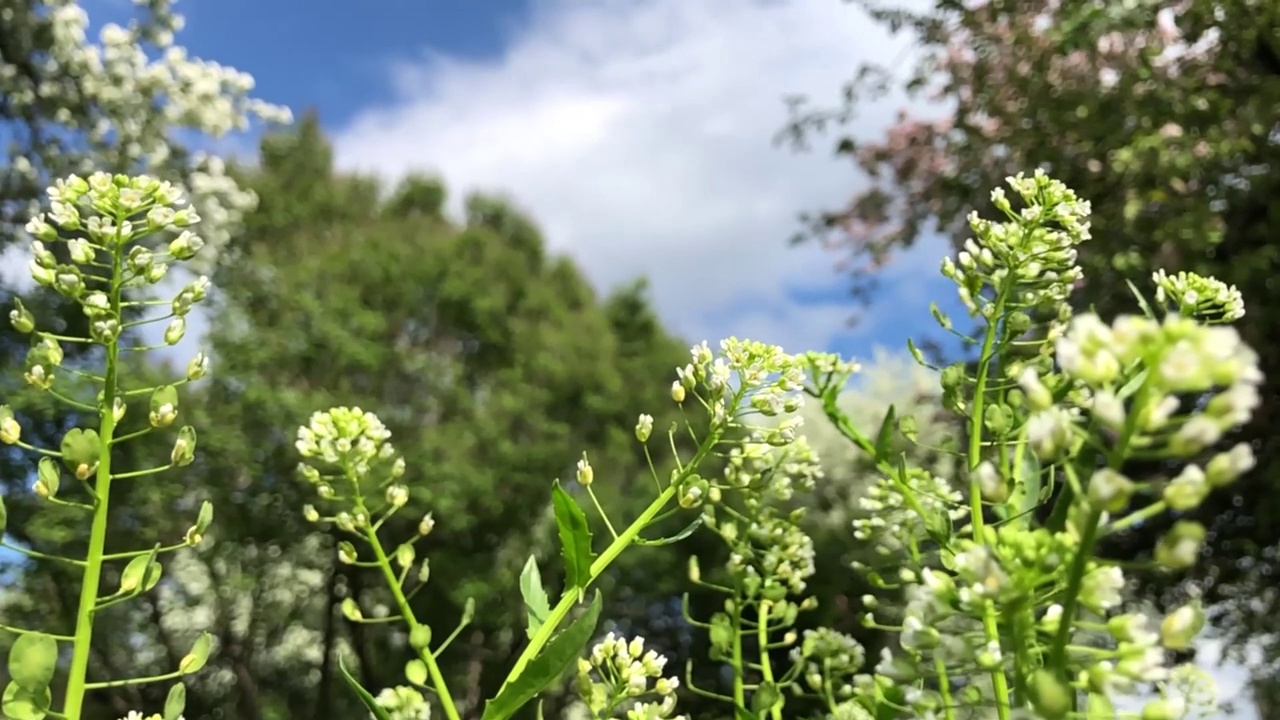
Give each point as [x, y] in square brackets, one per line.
[123, 104]
[107, 216]
[748, 378]
[1203, 298]
[830, 660]
[1176, 357]
[620, 672]
[1053, 415]
[1027, 264]
[894, 514]
[404, 703]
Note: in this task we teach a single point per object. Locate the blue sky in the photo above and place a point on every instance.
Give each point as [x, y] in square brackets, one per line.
[637, 133]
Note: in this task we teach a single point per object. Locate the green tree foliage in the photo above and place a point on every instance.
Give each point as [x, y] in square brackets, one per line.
[1164, 116]
[492, 360]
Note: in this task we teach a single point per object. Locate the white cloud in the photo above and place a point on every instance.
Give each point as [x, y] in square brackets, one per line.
[639, 135]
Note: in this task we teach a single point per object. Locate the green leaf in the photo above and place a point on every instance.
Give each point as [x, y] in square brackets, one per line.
[575, 539]
[198, 656]
[686, 532]
[765, 698]
[547, 667]
[536, 604]
[32, 661]
[176, 702]
[378, 712]
[416, 672]
[21, 704]
[885, 437]
[741, 713]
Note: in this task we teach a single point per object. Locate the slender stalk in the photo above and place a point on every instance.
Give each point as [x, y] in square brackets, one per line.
[739, 690]
[428, 657]
[79, 669]
[766, 668]
[990, 627]
[611, 553]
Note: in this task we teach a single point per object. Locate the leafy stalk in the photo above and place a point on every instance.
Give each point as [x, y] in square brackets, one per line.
[85, 610]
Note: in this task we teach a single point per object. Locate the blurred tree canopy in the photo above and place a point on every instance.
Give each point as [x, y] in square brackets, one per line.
[1161, 113]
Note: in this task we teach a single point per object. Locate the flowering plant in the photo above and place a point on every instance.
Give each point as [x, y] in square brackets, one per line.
[1008, 610]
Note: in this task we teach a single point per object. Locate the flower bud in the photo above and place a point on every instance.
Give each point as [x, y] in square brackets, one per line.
[695, 571]
[163, 416]
[140, 259]
[198, 367]
[1110, 491]
[177, 328]
[105, 331]
[677, 391]
[310, 513]
[156, 272]
[185, 217]
[21, 319]
[1038, 396]
[67, 280]
[186, 245]
[1225, 468]
[81, 251]
[41, 230]
[693, 494]
[10, 430]
[644, 428]
[992, 487]
[1187, 490]
[38, 377]
[405, 555]
[1181, 626]
[184, 448]
[585, 474]
[345, 522]
[426, 525]
[347, 553]
[397, 496]
[419, 637]
[159, 217]
[1180, 547]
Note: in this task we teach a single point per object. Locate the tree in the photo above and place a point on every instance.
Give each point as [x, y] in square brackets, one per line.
[1161, 114]
[493, 363]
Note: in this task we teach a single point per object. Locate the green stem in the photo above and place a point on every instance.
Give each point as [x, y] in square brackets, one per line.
[600, 510]
[393, 584]
[990, 626]
[944, 687]
[611, 553]
[79, 669]
[766, 668]
[739, 688]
